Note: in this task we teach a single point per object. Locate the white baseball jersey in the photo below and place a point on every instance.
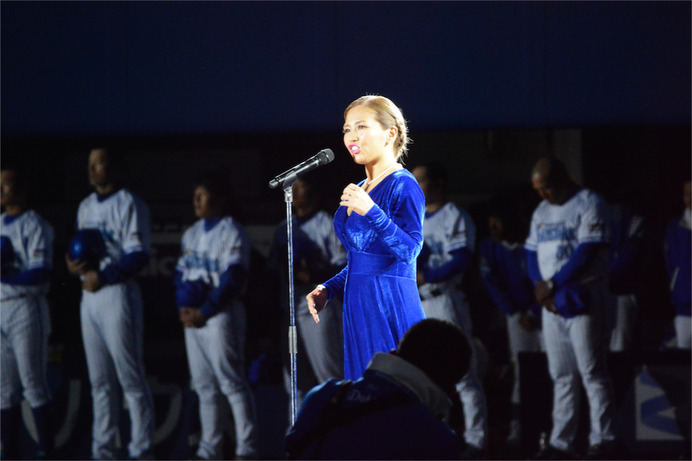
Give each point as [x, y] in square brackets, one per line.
[24, 317]
[32, 242]
[444, 231]
[320, 230]
[112, 326]
[124, 222]
[216, 351]
[314, 240]
[205, 255]
[557, 230]
[574, 346]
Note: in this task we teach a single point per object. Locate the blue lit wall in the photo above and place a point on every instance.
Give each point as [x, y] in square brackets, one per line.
[128, 68]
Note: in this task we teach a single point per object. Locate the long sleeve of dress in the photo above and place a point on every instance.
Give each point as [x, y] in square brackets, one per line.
[404, 242]
[335, 285]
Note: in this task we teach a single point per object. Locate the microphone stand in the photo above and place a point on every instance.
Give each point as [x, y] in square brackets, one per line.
[292, 331]
[286, 180]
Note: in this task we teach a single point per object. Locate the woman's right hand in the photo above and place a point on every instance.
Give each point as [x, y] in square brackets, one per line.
[317, 299]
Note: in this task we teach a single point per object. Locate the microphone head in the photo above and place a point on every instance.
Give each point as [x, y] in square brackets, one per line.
[325, 156]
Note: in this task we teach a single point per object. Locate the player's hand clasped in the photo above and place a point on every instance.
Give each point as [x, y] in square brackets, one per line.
[191, 317]
[90, 278]
[91, 281]
[76, 267]
[544, 295]
[528, 322]
[317, 299]
[356, 199]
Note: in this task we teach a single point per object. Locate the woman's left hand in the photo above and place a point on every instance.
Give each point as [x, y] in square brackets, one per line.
[356, 199]
[317, 300]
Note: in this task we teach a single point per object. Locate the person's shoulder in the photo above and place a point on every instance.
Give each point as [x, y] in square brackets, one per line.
[124, 191]
[320, 221]
[324, 220]
[676, 225]
[127, 196]
[405, 183]
[401, 177]
[232, 232]
[586, 200]
[33, 217]
[451, 207]
[588, 196]
[404, 175]
[89, 199]
[226, 228]
[322, 215]
[541, 208]
[121, 198]
[455, 210]
[193, 228]
[454, 216]
[323, 393]
[329, 386]
[230, 224]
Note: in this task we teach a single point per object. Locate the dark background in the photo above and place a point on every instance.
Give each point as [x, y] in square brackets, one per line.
[142, 68]
[256, 87]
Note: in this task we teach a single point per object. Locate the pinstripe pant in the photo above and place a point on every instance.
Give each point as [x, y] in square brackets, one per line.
[216, 356]
[576, 351]
[25, 327]
[112, 332]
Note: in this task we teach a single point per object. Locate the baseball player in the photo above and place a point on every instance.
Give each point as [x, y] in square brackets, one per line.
[111, 310]
[506, 279]
[449, 239]
[567, 260]
[627, 244]
[677, 257]
[211, 275]
[318, 255]
[27, 254]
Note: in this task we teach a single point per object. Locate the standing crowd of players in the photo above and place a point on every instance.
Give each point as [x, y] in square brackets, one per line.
[562, 279]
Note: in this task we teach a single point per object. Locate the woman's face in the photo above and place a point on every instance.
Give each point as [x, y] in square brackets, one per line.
[366, 140]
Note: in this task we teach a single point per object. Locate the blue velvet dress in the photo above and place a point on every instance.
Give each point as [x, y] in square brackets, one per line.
[378, 284]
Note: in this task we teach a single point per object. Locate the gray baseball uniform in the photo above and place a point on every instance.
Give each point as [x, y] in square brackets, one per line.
[575, 344]
[112, 326]
[216, 351]
[446, 231]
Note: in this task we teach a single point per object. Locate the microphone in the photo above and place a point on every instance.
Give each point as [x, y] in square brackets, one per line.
[321, 158]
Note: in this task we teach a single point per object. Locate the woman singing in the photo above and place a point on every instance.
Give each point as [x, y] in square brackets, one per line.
[380, 224]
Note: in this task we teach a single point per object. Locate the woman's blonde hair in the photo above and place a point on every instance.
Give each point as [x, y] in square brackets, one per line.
[388, 115]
